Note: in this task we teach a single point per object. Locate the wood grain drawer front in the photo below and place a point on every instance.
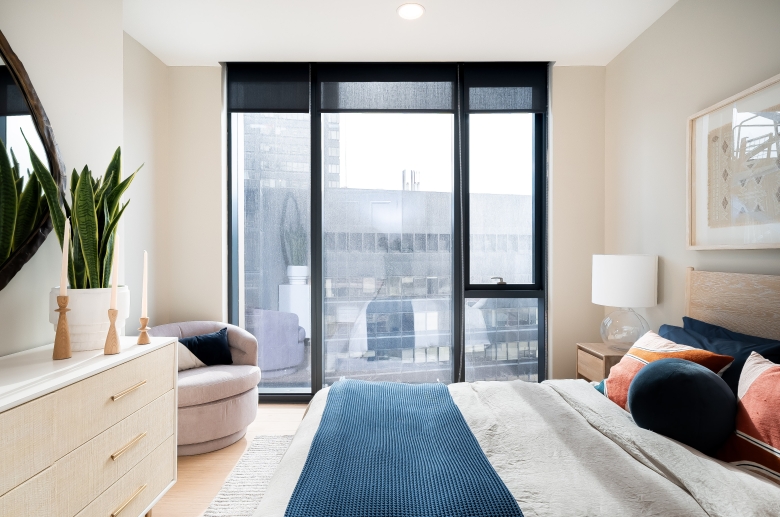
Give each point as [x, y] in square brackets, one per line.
[136, 490]
[26, 441]
[89, 407]
[89, 470]
[33, 498]
[590, 366]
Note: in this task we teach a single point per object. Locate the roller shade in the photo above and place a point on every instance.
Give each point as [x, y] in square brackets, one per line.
[259, 87]
[494, 87]
[387, 87]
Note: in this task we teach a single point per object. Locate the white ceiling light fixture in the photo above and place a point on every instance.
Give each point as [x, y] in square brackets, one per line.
[411, 11]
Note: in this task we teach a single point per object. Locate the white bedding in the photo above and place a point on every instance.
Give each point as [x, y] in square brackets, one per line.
[563, 449]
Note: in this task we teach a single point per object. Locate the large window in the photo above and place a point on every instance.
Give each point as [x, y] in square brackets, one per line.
[387, 221]
[387, 262]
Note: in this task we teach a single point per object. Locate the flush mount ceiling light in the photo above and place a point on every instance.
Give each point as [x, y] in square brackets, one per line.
[411, 11]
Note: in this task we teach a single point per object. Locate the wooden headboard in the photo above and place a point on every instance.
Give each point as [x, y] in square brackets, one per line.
[749, 304]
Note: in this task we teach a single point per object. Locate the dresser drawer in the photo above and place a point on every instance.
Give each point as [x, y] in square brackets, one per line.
[89, 407]
[33, 498]
[136, 490]
[96, 465]
[26, 441]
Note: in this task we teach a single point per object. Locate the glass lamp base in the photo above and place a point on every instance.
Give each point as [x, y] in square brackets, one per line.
[622, 328]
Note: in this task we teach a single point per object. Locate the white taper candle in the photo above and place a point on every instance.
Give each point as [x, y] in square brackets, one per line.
[65, 248]
[114, 272]
[143, 288]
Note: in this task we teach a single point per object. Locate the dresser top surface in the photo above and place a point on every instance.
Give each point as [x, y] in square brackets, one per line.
[30, 374]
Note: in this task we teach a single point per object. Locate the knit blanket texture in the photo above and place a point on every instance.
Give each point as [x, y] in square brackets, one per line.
[386, 449]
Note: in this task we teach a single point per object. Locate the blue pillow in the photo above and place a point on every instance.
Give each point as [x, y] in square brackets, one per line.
[684, 401]
[600, 387]
[210, 348]
[739, 350]
[715, 331]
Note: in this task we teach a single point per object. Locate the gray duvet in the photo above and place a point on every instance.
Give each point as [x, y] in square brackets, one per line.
[565, 450]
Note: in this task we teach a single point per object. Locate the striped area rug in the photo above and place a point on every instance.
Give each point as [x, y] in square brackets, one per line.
[245, 487]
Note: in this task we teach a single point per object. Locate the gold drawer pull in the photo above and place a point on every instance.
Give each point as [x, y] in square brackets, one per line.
[128, 390]
[129, 500]
[126, 447]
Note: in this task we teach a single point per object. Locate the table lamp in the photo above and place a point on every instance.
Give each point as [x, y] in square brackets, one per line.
[625, 281]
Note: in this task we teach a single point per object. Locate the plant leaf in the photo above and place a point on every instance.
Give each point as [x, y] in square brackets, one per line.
[116, 194]
[17, 174]
[8, 204]
[113, 174]
[79, 269]
[51, 191]
[28, 211]
[110, 230]
[15, 165]
[74, 180]
[43, 207]
[107, 262]
[86, 221]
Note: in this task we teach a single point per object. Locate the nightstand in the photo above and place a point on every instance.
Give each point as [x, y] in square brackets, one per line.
[594, 360]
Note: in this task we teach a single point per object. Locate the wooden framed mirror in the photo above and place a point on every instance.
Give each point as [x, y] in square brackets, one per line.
[21, 112]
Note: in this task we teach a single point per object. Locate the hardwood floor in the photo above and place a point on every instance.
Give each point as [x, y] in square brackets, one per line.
[201, 476]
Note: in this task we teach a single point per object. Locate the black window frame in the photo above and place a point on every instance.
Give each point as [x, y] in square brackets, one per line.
[534, 75]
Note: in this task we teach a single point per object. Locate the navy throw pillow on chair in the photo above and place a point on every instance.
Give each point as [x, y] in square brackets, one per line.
[210, 348]
[684, 401]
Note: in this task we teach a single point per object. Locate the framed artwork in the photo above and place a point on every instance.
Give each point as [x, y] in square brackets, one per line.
[734, 171]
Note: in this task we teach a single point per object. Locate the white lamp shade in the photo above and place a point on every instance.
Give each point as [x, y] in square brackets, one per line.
[625, 280]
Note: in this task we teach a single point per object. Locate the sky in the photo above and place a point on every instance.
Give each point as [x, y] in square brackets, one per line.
[377, 147]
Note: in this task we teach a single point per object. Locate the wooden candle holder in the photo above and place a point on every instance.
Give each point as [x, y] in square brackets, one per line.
[143, 337]
[112, 339]
[62, 337]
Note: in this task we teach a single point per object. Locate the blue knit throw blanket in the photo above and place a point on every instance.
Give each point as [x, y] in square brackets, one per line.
[397, 450]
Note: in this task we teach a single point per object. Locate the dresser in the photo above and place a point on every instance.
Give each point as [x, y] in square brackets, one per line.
[89, 436]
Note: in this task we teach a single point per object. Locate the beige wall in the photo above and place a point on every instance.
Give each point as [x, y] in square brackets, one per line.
[73, 54]
[698, 53]
[146, 138]
[192, 210]
[576, 211]
[172, 123]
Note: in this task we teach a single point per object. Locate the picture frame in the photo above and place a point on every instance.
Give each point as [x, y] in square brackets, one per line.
[733, 171]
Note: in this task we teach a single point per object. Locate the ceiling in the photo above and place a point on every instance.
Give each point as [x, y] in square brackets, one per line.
[569, 32]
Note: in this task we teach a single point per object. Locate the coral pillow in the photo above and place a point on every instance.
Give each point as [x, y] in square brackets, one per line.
[755, 445]
[652, 347]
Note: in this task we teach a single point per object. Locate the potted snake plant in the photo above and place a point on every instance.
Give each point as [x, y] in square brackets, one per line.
[94, 210]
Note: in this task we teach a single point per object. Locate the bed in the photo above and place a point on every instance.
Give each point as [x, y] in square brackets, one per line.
[563, 449]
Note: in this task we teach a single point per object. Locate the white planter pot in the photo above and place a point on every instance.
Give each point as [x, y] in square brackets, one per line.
[298, 275]
[88, 316]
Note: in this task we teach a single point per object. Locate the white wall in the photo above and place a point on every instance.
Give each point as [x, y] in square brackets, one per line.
[73, 55]
[192, 209]
[698, 53]
[576, 211]
[146, 141]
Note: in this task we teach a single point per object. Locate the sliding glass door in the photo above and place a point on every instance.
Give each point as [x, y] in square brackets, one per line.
[387, 221]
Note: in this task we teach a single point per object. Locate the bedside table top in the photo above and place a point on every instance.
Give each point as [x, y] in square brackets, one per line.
[601, 349]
